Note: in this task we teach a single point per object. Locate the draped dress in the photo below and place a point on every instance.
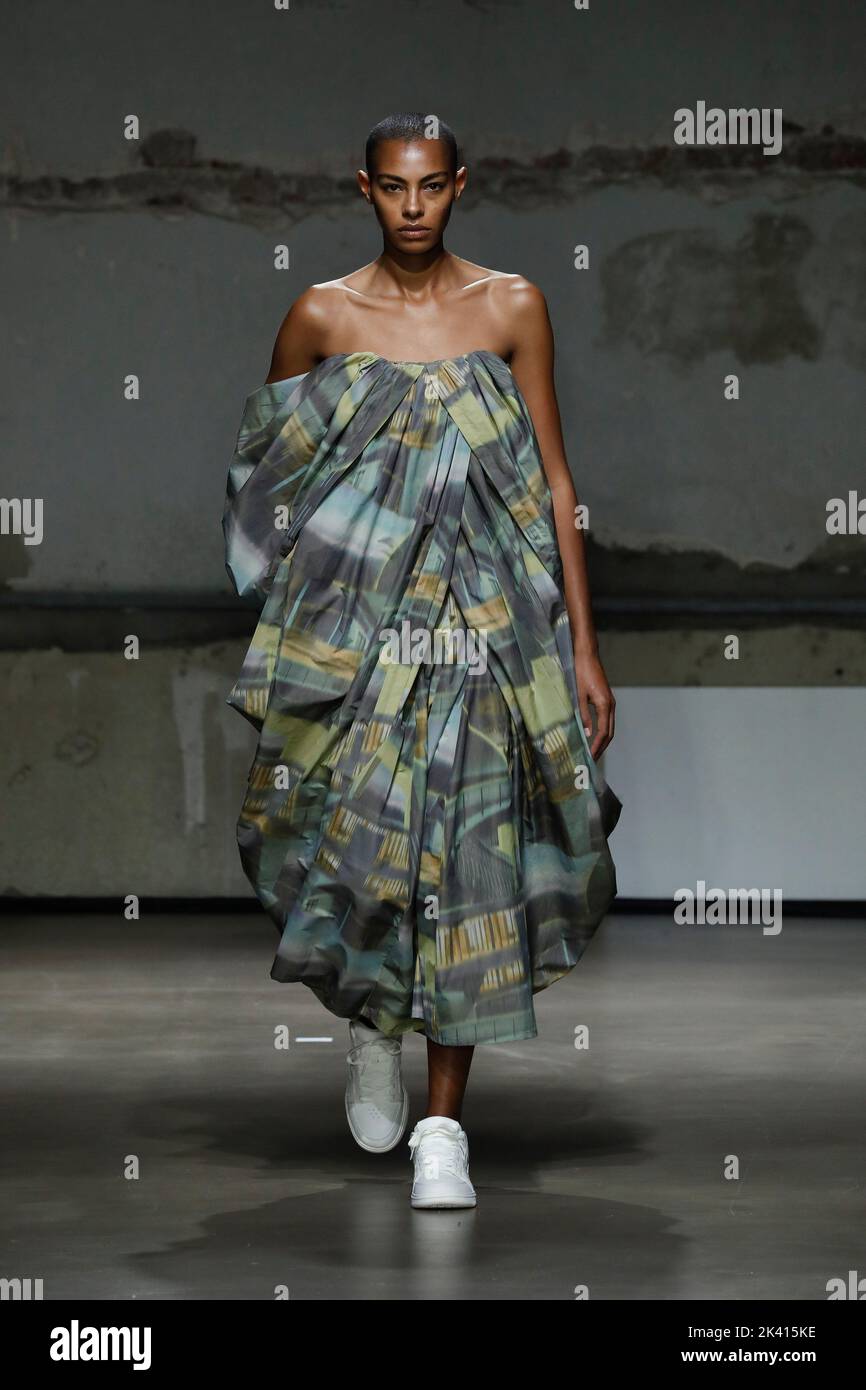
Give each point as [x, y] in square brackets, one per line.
[423, 819]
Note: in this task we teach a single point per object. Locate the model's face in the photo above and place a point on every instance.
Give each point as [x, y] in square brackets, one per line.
[412, 191]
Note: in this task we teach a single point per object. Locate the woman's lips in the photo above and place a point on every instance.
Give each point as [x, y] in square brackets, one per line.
[414, 231]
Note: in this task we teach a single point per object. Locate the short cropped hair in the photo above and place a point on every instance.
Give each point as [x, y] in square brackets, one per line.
[411, 125]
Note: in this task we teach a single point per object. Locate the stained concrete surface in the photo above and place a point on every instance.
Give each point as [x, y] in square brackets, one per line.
[601, 1167]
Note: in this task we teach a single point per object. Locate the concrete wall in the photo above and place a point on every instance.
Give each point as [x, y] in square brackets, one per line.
[155, 257]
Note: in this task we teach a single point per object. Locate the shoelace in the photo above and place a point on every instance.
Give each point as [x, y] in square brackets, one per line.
[444, 1152]
[376, 1062]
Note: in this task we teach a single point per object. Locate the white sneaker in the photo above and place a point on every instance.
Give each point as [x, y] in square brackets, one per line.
[377, 1102]
[440, 1149]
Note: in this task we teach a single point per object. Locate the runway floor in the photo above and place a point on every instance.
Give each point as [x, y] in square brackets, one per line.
[601, 1169]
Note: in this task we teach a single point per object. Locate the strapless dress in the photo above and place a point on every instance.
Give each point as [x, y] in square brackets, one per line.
[423, 820]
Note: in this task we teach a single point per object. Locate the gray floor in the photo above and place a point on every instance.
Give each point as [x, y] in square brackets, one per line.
[601, 1168]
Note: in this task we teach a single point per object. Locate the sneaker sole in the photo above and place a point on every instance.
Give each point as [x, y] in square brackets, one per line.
[380, 1148]
[443, 1203]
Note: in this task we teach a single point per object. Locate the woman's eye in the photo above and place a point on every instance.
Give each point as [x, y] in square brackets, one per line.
[429, 187]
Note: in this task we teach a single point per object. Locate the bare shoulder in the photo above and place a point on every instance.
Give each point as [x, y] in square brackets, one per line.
[520, 298]
[310, 310]
[514, 293]
[301, 333]
[519, 309]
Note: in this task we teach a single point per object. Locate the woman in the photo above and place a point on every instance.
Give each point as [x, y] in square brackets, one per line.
[424, 819]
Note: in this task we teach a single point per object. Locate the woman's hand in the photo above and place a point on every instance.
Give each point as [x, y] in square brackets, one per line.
[593, 690]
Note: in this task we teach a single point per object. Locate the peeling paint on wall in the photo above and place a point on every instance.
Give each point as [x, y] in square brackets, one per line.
[170, 175]
[832, 577]
[686, 294]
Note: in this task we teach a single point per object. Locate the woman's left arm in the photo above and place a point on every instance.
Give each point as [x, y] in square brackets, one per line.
[532, 366]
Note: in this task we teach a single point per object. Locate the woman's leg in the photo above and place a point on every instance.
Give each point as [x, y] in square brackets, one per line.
[447, 1074]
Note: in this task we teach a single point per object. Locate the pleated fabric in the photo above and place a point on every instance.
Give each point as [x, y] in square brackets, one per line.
[428, 833]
